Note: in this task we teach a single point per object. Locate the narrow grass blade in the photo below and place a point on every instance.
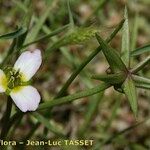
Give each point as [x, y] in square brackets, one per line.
[14, 34]
[113, 58]
[111, 78]
[10, 51]
[53, 33]
[71, 21]
[143, 86]
[139, 79]
[125, 40]
[24, 23]
[95, 12]
[136, 146]
[140, 50]
[75, 96]
[5, 119]
[114, 111]
[141, 65]
[130, 92]
[126, 130]
[34, 32]
[31, 132]
[92, 108]
[20, 5]
[47, 124]
[134, 31]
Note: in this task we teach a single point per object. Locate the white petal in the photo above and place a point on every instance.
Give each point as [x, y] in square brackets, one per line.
[28, 63]
[26, 98]
[3, 81]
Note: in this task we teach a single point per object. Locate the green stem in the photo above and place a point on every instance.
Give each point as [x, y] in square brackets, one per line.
[87, 60]
[48, 125]
[143, 85]
[14, 119]
[10, 51]
[66, 99]
[5, 119]
[109, 140]
[15, 127]
[139, 79]
[141, 65]
[46, 36]
[116, 78]
[113, 113]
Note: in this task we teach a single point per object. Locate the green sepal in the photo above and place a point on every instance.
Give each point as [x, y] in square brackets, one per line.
[139, 79]
[143, 86]
[141, 50]
[131, 94]
[116, 78]
[113, 58]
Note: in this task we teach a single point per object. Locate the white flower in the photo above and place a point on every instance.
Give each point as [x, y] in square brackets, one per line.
[25, 97]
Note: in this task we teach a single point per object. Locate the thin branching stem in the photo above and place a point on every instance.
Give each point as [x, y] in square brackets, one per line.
[46, 36]
[5, 119]
[87, 60]
[140, 66]
[139, 79]
[69, 98]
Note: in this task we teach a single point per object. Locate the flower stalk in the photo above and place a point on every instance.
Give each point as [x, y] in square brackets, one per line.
[5, 119]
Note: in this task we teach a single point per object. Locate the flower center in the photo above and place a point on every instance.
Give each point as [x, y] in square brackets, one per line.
[13, 77]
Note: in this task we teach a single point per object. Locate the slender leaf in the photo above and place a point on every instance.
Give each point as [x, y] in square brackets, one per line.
[34, 32]
[139, 79]
[25, 23]
[130, 92]
[126, 130]
[92, 108]
[141, 65]
[96, 10]
[53, 33]
[135, 31]
[47, 124]
[140, 50]
[10, 51]
[114, 111]
[136, 146]
[14, 34]
[71, 21]
[111, 78]
[113, 58]
[125, 40]
[20, 5]
[142, 85]
[75, 96]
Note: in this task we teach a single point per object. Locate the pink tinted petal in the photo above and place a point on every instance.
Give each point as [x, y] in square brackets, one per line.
[26, 98]
[28, 63]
